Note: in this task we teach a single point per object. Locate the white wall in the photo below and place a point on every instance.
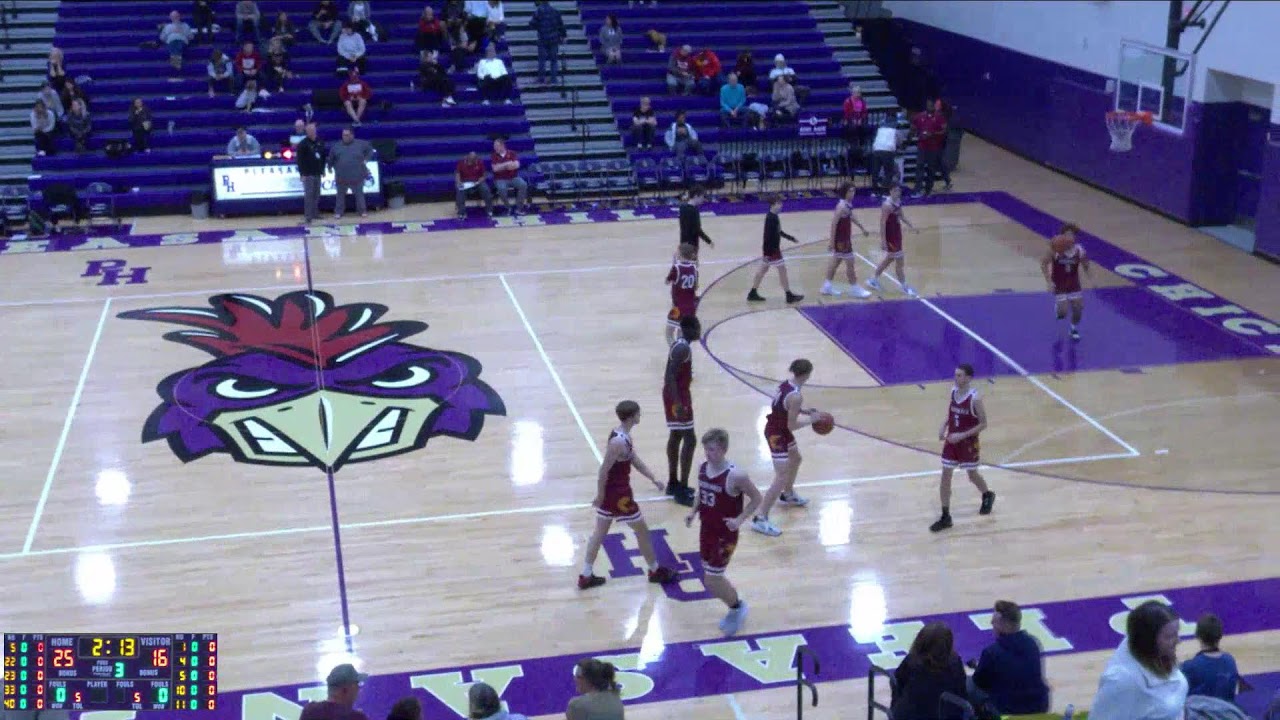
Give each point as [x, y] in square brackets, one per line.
[1086, 34]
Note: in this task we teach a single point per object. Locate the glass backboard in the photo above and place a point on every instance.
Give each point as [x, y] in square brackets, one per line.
[1155, 80]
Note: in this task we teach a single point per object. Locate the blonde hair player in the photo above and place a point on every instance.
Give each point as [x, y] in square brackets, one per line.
[840, 245]
[721, 510]
[785, 417]
[891, 221]
[614, 499]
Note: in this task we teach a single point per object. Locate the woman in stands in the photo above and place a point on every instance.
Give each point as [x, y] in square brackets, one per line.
[599, 695]
[930, 669]
[1142, 680]
[140, 124]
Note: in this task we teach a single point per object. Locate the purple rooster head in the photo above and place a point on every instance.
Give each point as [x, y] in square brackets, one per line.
[301, 381]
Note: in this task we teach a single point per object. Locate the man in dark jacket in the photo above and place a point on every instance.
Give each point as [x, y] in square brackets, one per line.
[311, 155]
[1010, 672]
[549, 25]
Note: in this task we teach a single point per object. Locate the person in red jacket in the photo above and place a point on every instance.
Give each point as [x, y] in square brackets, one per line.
[707, 76]
[355, 94]
[248, 64]
[930, 127]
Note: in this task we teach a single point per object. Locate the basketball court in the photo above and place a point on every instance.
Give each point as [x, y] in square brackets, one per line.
[176, 463]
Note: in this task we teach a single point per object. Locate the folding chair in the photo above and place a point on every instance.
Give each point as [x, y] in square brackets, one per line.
[100, 203]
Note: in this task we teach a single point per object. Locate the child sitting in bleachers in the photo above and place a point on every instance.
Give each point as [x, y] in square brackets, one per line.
[1212, 672]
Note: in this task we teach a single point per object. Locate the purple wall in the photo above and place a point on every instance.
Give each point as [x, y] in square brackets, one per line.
[1053, 114]
[1268, 217]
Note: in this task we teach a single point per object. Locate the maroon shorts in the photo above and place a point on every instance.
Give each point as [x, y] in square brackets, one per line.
[842, 249]
[780, 443]
[774, 260]
[893, 244]
[678, 406]
[1069, 290]
[619, 504]
[715, 547]
[962, 455]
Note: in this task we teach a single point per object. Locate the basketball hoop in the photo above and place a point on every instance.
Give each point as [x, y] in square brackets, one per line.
[1121, 125]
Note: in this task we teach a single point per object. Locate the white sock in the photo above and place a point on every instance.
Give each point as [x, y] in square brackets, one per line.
[653, 566]
[586, 570]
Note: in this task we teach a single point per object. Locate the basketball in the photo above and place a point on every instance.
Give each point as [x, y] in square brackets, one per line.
[1061, 243]
[824, 424]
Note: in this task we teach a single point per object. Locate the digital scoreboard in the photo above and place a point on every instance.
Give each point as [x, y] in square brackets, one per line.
[53, 671]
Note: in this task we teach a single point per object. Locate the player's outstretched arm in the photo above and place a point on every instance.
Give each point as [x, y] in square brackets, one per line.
[742, 481]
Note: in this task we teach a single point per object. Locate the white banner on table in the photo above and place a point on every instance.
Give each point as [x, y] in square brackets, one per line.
[272, 182]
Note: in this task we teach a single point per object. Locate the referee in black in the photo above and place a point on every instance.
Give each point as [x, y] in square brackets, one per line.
[311, 155]
[691, 221]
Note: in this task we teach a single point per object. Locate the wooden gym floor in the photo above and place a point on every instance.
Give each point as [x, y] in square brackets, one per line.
[464, 552]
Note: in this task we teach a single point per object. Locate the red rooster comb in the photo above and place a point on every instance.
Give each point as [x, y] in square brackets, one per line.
[303, 326]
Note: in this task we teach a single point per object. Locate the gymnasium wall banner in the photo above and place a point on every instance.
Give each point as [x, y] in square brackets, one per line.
[263, 179]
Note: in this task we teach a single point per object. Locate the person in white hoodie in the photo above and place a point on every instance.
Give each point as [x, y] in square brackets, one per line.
[1142, 680]
[351, 50]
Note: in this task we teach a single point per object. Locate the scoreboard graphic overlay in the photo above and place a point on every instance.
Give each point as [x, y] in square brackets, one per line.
[53, 671]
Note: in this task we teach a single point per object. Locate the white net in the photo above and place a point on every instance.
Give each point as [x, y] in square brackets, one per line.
[1121, 126]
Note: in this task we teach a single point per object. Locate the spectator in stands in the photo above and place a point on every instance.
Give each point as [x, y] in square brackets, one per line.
[51, 99]
[682, 138]
[495, 25]
[884, 155]
[220, 71]
[44, 125]
[175, 36]
[55, 71]
[657, 40]
[244, 144]
[505, 165]
[477, 19]
[746, 69]
[351, 50]
[931, 129]
[299, 132]
[278, 64]
[202, 20]
[284, 30]
[1010, 672]
[855, 113]
[495, 81]
[248, 64]
[311, 156]
[733, 102]
[1212, 672]
[931, 668]
[644, 124]
[484, 704]
[781, 69]
[433, 77]
[248, 96]
[785, 105]
[355, 94]
[431, 37]
[71, 91]
[360, 15]
[707, 77]
[407, 708]
[1142, 679]
[79, 124]
[344, 689]
[140, 125]
[611, 40]
[546, 21]
[350, 162]
[454, 16]
[599, 695]
[468, 175]
[324, 22]
[680, 71]
[248, 21]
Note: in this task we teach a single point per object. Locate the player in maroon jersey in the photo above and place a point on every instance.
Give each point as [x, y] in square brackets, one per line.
[683, 279]
[677, 402]
[721, 489]
[615, 501]
[966, 417]
[786, 415]
[1062, 275]
[891, 221]
[841, 246]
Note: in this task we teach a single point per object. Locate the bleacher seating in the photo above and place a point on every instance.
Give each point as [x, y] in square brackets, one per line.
[727, 28]
[102, 38]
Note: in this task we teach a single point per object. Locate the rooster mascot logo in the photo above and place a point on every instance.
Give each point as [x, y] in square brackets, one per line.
[300, 381]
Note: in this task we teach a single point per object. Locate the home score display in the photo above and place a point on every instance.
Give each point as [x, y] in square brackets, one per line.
[110, 672]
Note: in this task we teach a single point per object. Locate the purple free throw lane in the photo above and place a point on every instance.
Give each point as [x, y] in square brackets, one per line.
[1123, 327]
[715, 666]
[903, 342]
